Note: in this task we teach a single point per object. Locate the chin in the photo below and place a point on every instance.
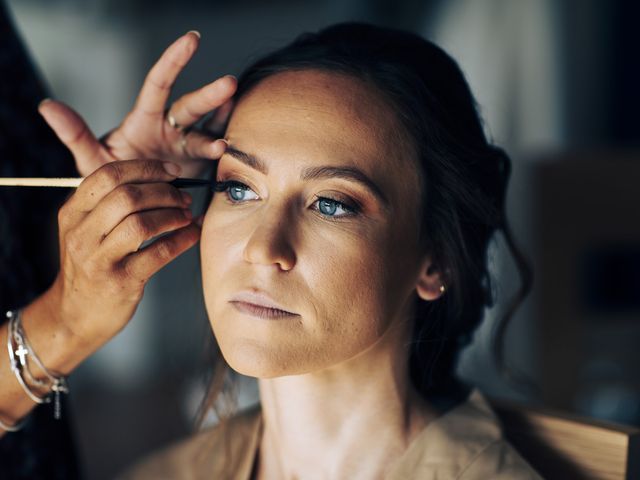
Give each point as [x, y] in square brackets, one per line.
[259, 361]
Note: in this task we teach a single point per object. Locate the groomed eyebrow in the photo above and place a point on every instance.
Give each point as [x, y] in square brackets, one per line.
[312, 173]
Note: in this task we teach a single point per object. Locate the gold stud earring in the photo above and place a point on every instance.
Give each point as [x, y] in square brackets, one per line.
[442, 288]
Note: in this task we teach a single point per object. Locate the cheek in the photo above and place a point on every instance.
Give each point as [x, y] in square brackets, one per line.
[344, 282]
[219, 248]
[347, 278]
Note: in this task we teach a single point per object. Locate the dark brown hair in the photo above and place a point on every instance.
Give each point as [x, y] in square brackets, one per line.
[464, 179]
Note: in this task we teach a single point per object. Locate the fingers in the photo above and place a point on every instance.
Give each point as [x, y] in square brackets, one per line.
[149, 260]
[199, 145]
[157, 85]
[72, 130]
[110, 176]
[191, 107]
[128, 199]
[114, 211]
[139, 227]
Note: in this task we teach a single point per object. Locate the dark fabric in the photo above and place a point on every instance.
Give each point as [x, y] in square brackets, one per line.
[42, 450]
[28, 245]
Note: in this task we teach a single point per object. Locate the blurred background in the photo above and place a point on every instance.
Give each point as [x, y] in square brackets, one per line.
[557, 83]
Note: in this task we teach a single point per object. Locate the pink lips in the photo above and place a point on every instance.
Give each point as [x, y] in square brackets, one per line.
[258, 304]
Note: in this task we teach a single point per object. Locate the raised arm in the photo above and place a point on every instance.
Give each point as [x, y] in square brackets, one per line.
[102, 274]
[152, 129]
[121, 203]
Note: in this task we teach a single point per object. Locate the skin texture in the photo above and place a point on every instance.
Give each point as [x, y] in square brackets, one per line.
[351, 281]
[120, 204]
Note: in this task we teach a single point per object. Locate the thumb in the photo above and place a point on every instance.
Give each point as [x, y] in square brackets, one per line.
[73, 131]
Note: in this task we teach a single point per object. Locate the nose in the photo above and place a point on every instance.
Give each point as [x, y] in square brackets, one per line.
[270, 242]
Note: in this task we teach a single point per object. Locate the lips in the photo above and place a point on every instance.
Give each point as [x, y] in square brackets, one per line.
[259, 304]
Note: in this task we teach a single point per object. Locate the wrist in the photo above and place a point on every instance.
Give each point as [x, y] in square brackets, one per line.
[59, 348]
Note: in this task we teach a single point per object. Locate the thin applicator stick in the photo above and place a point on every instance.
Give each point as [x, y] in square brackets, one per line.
[41, 182]
[75, 182]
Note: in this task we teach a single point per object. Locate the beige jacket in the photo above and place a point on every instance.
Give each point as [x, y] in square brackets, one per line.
[465, 443]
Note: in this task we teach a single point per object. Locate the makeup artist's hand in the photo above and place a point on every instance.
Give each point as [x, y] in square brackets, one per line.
[145, 132]
[103, 270]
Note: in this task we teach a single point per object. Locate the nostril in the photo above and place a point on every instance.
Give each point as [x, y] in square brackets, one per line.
[270, 246]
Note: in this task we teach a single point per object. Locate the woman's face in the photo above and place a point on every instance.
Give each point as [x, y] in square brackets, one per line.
[319, 220]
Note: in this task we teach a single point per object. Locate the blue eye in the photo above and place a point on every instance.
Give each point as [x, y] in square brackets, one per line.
[334, 208]
[236, 191]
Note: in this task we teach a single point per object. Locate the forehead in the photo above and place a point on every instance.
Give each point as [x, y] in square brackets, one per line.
[315, 113]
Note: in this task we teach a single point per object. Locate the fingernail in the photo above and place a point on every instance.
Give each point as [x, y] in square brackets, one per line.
[231, 76]
[218, 150]
[172, 168]
[196, 33]
[199, 221]
[43, 101]
[186, 198]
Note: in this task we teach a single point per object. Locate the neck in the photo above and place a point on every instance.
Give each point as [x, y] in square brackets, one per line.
[350, 421]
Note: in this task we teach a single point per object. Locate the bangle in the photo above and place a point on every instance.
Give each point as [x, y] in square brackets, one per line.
[12, 428]
[56, 384]
[20, 352]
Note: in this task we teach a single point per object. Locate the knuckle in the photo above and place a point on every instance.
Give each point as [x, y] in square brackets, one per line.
[130, 195]
[151, 169]
[189, 110]
[165, 250]
[127, 273]
[111, 174]
[91, 267]
[176, 195]
[139, 227]
[158, 81]
[74, 243]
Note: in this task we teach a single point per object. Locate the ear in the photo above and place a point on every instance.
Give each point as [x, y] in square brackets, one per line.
[430, 285]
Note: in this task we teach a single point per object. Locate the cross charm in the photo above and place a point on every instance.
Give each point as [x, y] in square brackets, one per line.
[22, 353]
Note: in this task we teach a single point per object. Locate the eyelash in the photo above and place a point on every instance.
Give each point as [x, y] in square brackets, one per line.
[224, 186]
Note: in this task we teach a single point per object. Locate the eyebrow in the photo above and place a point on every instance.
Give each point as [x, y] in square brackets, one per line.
[312, 173]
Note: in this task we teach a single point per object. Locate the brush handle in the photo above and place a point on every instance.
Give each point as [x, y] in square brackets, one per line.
[75, 182]
[40, 182]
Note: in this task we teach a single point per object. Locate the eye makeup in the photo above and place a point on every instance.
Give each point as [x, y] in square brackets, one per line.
[224, 185]
[348, 173]
[327, 206]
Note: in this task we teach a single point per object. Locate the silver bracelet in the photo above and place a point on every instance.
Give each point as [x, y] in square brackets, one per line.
[57, 384]
[20, 352]
[12, 428]
[18, 425]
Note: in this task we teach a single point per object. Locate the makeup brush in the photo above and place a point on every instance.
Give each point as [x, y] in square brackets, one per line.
[75, 182]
